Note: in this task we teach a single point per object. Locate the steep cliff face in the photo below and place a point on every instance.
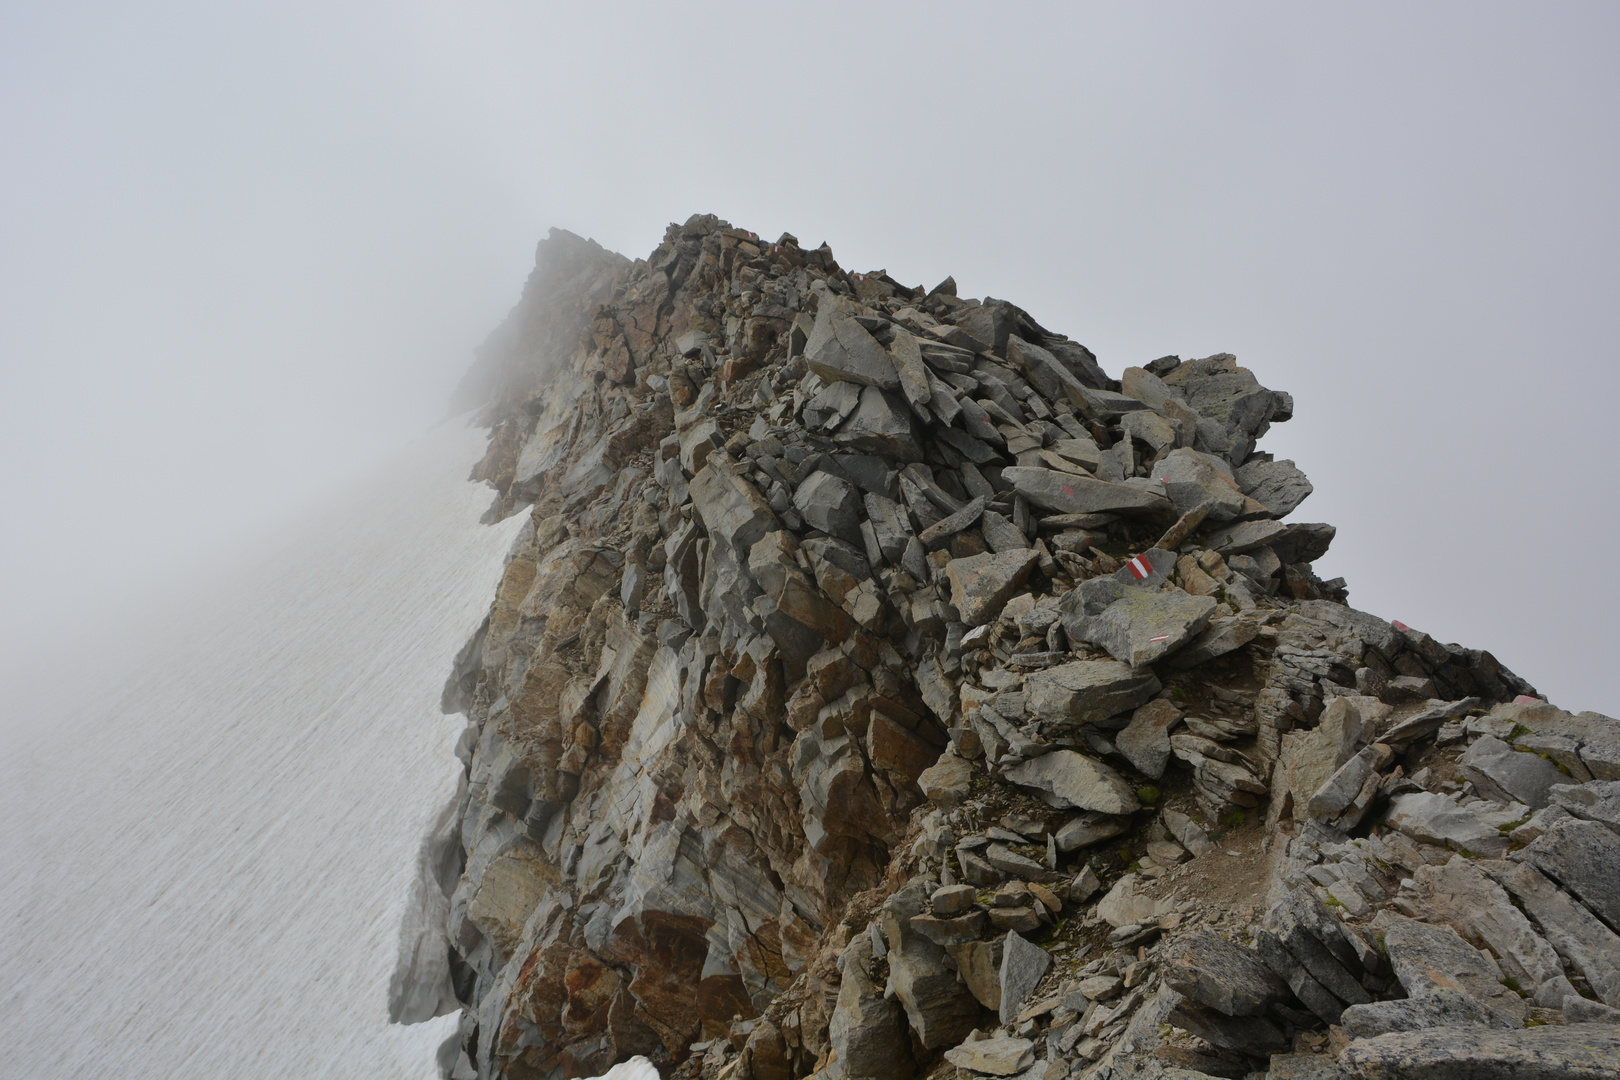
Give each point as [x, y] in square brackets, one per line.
[841, 604]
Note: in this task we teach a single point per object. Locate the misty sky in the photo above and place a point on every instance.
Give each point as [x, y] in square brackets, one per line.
[246, 249]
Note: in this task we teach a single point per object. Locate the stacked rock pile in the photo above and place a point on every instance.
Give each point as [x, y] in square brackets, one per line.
[880, 689]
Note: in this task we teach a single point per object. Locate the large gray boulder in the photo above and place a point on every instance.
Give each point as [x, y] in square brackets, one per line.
[1598, 801]
[1069, 780]
[938, 1006]
[1142, 626]
[1571, 1052]
[1227, 978]
[1003, 1055]
[1435, 819]
[867, 1030]
[881, 424]
[1276, 485]
[981, 585]
[1461, 895]
[1023, 966]
[1427, 958]
[1507, 775]
[1583, 857]
[831, 504]
[1441, 1007]
[1191, 479]
[1087, 691]
[840, 350]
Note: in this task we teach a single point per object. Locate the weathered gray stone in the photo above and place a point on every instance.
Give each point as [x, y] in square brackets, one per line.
[1426, 958]
[1070, 494]
[1583, 857]
[949, 900]
[950, 931]
[1086, 691]
[1124, 906]
[946, 782]
[1312, 757]
[1313, 938]
[906, 356]
[867, 1030]
[1340, 790]
[1571, 1052]
[1246, 536]
[1440, 1007]
[830, 407]
[1508, 775]
[1597, 736]
[881, 424]
[1145, 742]
[979, 964]
[939, 534]
[1221, 637]
[1305, 1067]
[1003, 1055]
[1579, 1010]
[1597, 801]
[1142, 626]
[1225, 977]
[1088, 829]
[1435, 819]
[1276, 485]
[1187, 832]
[1460, 894]
[1254, 1036]
[1023, 966]
[1067, 779]
[831, 504]
[840, 350]
[1191, 479]
[939, 1008]
[1570, 928]
[1422, 725]
[889, 525]
[1008, 861]
[981, 585]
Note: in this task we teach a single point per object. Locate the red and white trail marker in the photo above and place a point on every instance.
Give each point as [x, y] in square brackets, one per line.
[1140, 567]
[1397, 624]
[1161, 637]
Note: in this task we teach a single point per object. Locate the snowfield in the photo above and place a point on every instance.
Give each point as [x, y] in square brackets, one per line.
[207, 860]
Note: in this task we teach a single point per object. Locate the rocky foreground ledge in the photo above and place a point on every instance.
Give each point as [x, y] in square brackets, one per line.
[880, 689]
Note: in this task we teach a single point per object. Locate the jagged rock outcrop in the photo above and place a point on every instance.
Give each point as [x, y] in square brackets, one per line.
[880, 689]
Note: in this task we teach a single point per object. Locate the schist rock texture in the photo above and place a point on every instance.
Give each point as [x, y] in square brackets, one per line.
[880, 689]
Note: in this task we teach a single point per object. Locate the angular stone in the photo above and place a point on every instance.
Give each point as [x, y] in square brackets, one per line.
[1305, 1067]
[1313, 938]
[981, 585]
[1254, 1036]
[1341, 789]
[941, 532]
[906, 356]
[952, 931]
[1508, 775]
[1459, 893]
[1187, 832]
[1087, 691]
[1583, 857]
[1571, 929]
[1435, 819]
[1022, 920]
[1246, 536]
[1070, 494]
[938, 1007]
[1216, 973]
[1143, 626]
[1088, 829]
[1003, 1055]
[1008, 861]
[1023, 966]
[1573, 1052]
[949, 900]
[867, 1030]
[730, 506]
[881, 424]
[979, 964]
[1191, 479]
[1597, 801]
[1427, 957]
[1145, 742]
[1276, 485]
[830, 504]
[1422, 725]
[1124, 906]
[830, 407]
[946, 782]
[889, 525]
[1070, 780]
[840, 350]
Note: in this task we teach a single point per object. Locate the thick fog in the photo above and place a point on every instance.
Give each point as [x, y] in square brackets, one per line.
[245, 250]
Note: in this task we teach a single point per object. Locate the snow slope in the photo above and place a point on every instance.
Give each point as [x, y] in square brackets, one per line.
[205, 860]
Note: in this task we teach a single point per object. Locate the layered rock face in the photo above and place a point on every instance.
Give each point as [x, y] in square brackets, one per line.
[880, 689]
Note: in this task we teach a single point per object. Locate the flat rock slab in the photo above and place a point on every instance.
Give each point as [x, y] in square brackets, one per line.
[1067, 493]
[1087, 691]
[1479, 909]
[1442, 1007]
[1571, 1052]
[1141, 627]
[840, 350]
[1582, 856]
[1070, 780]
[1124, 906]
[1572, 930]
[1023, 966]
[1507, 775]
[981, 585]
[1221, 637]
[1277, 485]
[1001, 1056]
[1429, 958]
[1595, 801]
[1435, 819]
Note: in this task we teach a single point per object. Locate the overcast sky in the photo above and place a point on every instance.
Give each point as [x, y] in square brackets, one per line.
[246, 249]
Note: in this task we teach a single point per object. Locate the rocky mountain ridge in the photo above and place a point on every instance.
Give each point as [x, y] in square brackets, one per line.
[880, 689]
